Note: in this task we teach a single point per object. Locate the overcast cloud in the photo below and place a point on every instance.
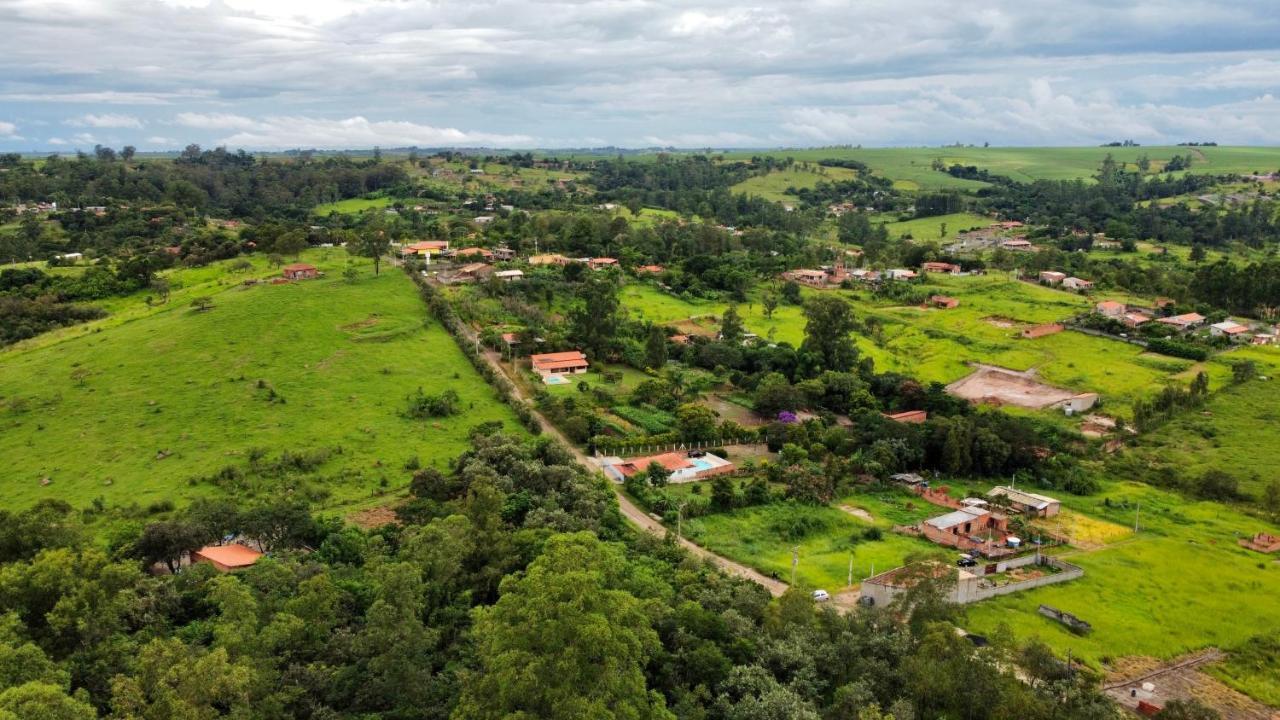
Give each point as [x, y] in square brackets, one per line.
[522, 73]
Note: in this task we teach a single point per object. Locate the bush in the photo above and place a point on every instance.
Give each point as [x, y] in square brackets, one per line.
[1177, 348]
[423, 406]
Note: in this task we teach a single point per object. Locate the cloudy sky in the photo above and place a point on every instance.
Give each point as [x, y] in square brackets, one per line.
[275, 74]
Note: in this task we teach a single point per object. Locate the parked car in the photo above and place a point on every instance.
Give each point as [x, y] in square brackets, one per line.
[696, 453]
[821, 596]
[966, 561]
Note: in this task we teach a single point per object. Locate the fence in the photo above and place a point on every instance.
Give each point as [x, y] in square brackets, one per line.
[976, 589]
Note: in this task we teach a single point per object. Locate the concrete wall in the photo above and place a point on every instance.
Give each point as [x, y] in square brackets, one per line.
[973, 591]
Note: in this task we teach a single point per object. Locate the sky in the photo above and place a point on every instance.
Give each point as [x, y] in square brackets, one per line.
[335, 74]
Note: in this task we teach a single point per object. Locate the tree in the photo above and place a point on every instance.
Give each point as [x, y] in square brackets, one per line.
[127, 152]
[827, 342]
[291, 243]
[791, 293]
[770, 303]
[566, 640]
[42, 701]
[657, 475]
[350, 274]
[373, 243]
[655, 348]
[167, 542]
[202, 304]
[593, 320]
[695, 422]
[731, 328]
[1271, 497]
[775, 393]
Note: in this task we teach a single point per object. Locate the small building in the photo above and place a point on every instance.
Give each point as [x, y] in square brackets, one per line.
[911, 480]
[1018, 245]
[299, 271]
[509, 275]
[965, 523]
[944, 302]
[1229, 329]
[1262, 542]
[504, 253]
[816, 278]
[71, 257]
[1110, 308]
[1025, 502]
[651, 269]
[474, 252]
[226, 558]
[1164, 302]
[1134, 319]
[1039, 331]
[1052, 277]
[912, 417]
[900, 274]
[425, 247]
[483, 219]
[1184, 322]
[939, 267]
[1075, 283]
[474, 271]
[601, 263]
[572, 362]
[681, 467]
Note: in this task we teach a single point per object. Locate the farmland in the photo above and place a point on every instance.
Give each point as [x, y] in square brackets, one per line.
[911, 169]
[133, 407]
[773, 185]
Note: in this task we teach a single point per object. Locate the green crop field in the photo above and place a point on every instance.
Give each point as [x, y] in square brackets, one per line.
[1182, 583]
[930, 228]
[132, 407]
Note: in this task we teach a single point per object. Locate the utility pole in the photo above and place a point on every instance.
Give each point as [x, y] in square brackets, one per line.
[795, 561]
[1136, 514]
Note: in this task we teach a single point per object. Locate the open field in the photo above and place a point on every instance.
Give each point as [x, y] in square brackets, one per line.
[1236, 432]
[1182, 583]
[911, 167]
[930, 228]
[130, 408]
[353, 205]
[827, 538]
[773, 186]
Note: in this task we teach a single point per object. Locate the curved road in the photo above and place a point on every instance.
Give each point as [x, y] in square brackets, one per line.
[632, 512]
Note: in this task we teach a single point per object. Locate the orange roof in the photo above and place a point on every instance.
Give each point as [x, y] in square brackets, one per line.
[1110, 305]
[909, 416]
[474, 251]
[672, 461]
[651, 269]
[298, 266]
[558, 360]
[234, 555]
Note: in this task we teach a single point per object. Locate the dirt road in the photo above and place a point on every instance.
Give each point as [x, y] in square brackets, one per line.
[630, 510]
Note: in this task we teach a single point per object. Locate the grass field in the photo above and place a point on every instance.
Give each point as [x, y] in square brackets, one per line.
[763, 538]
[1181, 584]
[1236, 432]
[773, 186]
[131, 407]
[353, 205]
[930, 228]
[910, 168]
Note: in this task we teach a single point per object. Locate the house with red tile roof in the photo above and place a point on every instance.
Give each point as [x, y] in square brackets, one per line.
[300, 271]
[571, 362]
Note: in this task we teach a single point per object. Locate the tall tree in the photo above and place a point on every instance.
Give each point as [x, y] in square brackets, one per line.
[565, 641]
[731, 328]
[373, 243]
[827, 342]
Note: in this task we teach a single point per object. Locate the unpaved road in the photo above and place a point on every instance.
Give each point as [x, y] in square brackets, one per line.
[630, 510]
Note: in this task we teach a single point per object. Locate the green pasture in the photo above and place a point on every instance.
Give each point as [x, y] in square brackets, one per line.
[132, 407]
[353, 205]
[774, 185]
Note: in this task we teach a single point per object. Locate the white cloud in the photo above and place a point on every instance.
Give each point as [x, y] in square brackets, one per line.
[8, 130]
[355, 132]
[106, 120]
[56, 141]
[214, 121]
[697, 140]
[160, 141]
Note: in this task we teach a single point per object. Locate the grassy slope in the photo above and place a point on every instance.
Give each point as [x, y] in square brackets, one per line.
[353, 205]
[773, 186]
[1236, 432]
[170, 379]
[911, 166]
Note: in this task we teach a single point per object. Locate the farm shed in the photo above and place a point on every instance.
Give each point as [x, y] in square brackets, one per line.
[1040, 505]
[299, 271]
[226, 558]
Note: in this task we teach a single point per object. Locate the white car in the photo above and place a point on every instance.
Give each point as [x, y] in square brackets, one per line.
[821, 596]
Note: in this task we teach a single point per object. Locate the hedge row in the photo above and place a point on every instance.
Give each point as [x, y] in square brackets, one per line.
[443, 311]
